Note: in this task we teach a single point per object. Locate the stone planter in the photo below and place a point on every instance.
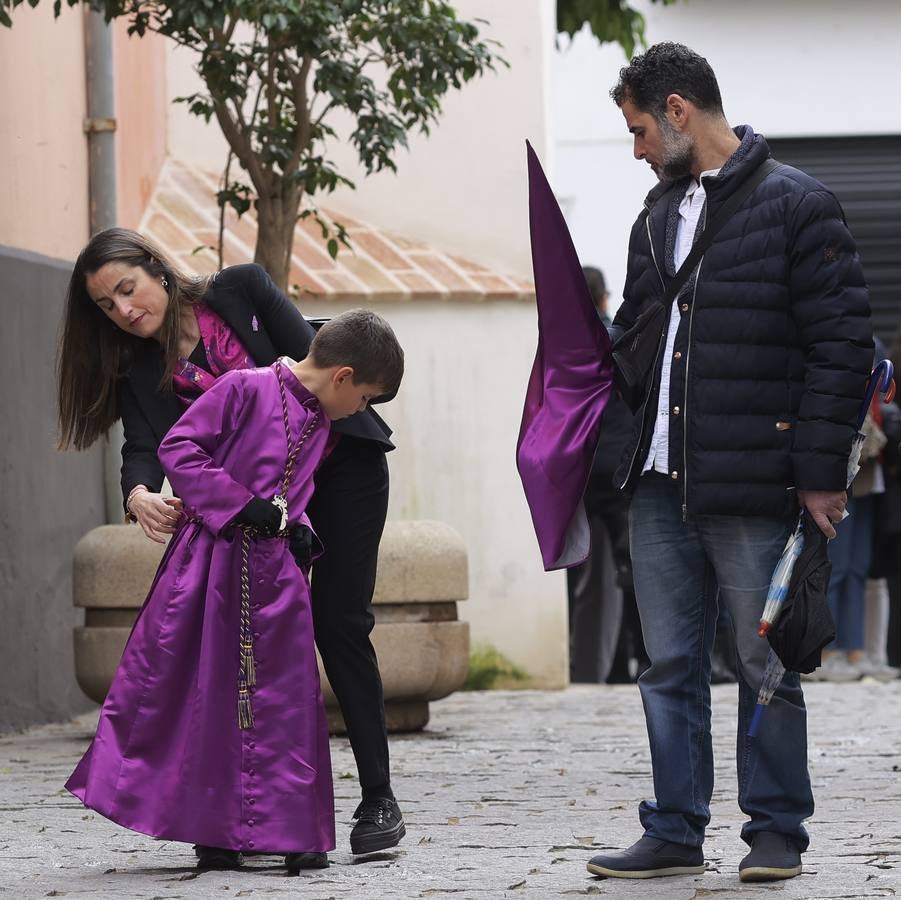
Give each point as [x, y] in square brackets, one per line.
[423, 648]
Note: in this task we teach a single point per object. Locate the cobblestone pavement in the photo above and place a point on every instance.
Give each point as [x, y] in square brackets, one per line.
[507, 794]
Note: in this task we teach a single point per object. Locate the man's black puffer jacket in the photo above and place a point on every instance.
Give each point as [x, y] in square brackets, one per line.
[774, 344]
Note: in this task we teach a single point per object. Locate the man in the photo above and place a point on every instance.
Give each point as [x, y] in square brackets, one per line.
[748, 411]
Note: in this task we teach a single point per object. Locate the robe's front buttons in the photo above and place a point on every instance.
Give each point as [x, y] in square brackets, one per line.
[683, 307]
[252, 745]
[256, 634]
[252, 802]
[252, 772]
[251, 822]
[676, 410]
[677, 354]
[674, 476]
[250, 843]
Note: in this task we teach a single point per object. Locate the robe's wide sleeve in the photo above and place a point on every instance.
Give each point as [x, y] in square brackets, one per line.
[188, 450]
[571, 381]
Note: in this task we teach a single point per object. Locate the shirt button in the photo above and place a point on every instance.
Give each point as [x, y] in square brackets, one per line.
[251, 822]
[674, 475]
[250, 843]
[252, 802]
[677, 354]
[684, 307]
[252, 745]
[676, 410]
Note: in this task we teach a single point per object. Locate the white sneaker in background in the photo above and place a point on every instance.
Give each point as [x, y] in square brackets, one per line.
[878, 671]
[837, 668]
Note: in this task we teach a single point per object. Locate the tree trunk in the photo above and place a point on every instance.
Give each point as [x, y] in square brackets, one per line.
[276, 218]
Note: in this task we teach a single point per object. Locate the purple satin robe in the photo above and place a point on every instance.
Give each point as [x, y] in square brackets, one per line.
[571, 381]
[168, 758]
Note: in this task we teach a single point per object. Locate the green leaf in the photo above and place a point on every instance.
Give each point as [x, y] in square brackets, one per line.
[332, 248]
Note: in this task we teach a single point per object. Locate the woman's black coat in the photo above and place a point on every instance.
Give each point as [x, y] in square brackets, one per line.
[268, 325]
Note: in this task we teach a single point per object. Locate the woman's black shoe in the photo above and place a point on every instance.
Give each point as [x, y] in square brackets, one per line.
[380, 825]
[218, 858]
[297, 861]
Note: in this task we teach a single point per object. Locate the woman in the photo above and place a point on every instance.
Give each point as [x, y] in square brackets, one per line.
[140, 342]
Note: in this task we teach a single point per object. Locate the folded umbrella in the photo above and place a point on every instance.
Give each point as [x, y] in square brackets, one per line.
[569, 386]
[805, 624]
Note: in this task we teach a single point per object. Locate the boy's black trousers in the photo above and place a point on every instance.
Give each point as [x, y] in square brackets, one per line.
[348, 511]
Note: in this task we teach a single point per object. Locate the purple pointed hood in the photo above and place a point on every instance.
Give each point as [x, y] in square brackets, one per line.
[571, 381]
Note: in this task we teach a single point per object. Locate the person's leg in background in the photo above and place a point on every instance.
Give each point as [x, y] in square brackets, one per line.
[841, 602]
[585, 589]
[856, 580]
[630, 651]
[893, 639]
[876, 621]
[595, 604]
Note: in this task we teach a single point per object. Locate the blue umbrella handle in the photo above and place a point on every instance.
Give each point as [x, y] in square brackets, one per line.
[755, 719]
[880, 379]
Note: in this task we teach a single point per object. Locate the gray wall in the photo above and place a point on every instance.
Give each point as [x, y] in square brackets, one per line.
[48, 500]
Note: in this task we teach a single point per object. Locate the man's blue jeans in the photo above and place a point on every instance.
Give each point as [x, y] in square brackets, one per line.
[682, 570]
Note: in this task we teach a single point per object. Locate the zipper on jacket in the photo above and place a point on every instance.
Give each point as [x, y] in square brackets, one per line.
[691, 318]
[660, 343]
[647, 223]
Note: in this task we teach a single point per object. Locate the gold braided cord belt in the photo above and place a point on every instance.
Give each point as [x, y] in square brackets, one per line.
[247, 673]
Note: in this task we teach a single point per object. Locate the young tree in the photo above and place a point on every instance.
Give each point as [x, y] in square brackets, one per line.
[609, 20]
[275, 72]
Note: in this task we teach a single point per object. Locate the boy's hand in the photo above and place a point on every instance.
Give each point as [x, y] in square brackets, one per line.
[300, 540]
[263, 515]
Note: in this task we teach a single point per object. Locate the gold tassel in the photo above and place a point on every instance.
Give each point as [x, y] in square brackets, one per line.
[245, 710]
[250, 669]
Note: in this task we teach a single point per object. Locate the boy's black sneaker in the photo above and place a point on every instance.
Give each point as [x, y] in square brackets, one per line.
[217, 858]
[649, 857]
[297, 861]
[773, 856]
[380, 825]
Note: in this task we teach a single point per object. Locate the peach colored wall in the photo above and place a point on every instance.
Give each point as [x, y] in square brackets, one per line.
[141, 110]
[43, 151]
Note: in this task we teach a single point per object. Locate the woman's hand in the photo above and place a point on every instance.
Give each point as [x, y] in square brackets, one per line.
[156, 514]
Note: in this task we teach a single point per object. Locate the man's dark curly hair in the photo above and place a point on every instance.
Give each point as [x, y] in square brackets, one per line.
[663, 70]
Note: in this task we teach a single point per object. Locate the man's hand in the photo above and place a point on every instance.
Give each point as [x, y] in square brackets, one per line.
[825, 507]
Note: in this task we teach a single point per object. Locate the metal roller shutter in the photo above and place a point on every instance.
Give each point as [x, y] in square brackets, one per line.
[865, 174]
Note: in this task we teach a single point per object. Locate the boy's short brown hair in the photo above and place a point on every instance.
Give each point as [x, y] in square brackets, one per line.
[364, 341]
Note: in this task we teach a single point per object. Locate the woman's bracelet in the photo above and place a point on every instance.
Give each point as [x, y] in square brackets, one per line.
[135, 490]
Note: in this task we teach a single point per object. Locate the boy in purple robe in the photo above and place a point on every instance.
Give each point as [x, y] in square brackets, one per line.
[214, 730]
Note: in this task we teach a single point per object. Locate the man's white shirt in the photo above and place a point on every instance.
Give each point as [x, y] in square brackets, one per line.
[689, 215]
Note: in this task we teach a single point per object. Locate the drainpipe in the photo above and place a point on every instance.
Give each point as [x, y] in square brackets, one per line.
[100, 128]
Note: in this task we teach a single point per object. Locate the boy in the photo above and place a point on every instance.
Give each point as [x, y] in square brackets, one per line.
[214, 730]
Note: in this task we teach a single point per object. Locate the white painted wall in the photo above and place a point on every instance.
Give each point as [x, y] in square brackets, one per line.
[809, 67]
[456, 419]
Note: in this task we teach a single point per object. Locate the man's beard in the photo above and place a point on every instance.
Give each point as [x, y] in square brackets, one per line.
[678, 153]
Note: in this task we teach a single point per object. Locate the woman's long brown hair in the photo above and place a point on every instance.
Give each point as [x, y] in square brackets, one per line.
[93, 352]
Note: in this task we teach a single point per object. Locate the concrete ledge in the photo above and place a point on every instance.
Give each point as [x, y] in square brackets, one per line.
[423, 649]
[419, 562]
